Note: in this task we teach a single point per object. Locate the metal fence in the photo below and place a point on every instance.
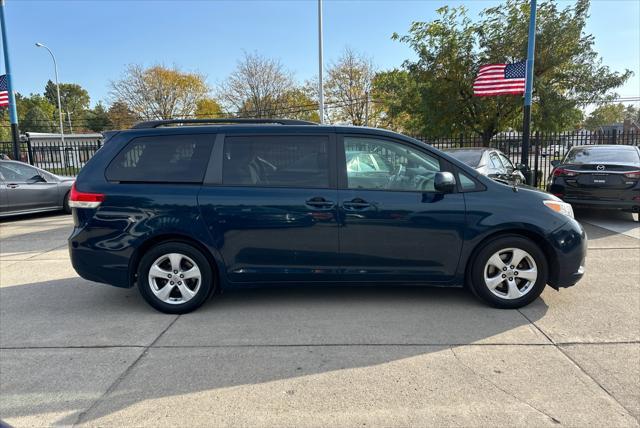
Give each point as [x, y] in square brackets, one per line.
[48, 152]
[545, 146]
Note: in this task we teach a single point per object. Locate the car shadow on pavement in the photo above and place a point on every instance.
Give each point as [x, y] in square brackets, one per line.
[47, 215]
[242, 337]
[607, 222]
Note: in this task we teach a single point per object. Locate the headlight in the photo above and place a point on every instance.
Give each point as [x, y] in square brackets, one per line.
[559, 207]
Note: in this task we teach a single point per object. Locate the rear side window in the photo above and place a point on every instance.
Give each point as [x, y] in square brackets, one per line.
[278, 161]
[162, 159]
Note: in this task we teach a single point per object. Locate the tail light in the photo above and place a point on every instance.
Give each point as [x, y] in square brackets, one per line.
[632, 174]
[84, 199]
[561, 172]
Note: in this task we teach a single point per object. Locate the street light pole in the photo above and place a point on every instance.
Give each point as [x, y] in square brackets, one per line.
[55, 66]
[320, 66]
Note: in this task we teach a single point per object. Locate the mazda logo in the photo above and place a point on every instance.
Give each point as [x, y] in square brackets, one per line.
[600, 167]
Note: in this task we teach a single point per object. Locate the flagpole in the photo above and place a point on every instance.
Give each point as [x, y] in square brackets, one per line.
[13, 115]
[526, 131]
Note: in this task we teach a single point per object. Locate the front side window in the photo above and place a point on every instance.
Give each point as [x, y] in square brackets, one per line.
[276, 161]
[383, 165]
[17, 172]
[162, 159]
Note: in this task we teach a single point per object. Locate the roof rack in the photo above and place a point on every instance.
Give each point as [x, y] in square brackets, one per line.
[159, 123]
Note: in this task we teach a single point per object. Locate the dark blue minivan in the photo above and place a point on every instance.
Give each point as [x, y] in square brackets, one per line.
[183, 208]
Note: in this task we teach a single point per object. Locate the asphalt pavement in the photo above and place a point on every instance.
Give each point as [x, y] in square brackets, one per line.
[76, 352]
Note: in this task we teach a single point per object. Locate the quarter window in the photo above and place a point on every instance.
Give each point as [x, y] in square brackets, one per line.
[466, 182]
[162, 159]
[383, 165]
[278, 161]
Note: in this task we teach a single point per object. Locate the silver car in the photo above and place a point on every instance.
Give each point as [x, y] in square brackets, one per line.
[25, 189]
[490, 162]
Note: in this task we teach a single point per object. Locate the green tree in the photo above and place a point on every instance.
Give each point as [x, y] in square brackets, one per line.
[75, 103]
[607, 114]
[208, 108]
[299, 104]
[121, 116]
[98, 119]
[632, 113]
[451, 49]
[396, 94]
[35, 114]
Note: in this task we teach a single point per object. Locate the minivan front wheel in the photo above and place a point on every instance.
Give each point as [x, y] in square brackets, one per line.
[509, 272]
[175, 277]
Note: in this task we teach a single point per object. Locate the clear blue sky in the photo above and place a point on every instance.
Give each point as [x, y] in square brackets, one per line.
[95, 40]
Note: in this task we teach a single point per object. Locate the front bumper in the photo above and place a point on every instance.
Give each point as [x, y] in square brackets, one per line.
[569, 247]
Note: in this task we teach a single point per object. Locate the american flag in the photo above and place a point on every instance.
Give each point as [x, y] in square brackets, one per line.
[4, 93]
[500, 79]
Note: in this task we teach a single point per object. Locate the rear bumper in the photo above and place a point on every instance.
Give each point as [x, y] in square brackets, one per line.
[98, 266]
[612, 204]
[569, 245]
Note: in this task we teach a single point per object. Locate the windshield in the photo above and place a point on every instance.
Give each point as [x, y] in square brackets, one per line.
[470, 157]
[615, 155]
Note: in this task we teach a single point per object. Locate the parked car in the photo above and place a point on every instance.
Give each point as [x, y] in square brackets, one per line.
[603, 176]
[182, 211]
[490, 162]
[554, 150]
[25, 189]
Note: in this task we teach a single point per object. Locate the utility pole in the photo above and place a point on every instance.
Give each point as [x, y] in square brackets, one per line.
[69, 121]
[366, 108]
[13, 113]
[526, 124]
[320, 64]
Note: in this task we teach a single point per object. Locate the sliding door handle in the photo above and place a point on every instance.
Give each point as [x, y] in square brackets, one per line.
[356, 204]
[319, 202]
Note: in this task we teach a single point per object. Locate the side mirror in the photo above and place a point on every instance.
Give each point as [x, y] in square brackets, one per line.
[521, 166]
[555, 163]
[444, 182]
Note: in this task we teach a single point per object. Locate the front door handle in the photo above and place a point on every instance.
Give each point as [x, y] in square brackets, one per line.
[356, 204]
[319, 202]
[12, 185]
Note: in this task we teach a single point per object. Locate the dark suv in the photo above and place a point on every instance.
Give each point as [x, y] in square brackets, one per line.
[182, 211]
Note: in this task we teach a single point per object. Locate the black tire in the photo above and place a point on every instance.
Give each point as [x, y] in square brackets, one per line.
[65, 204]
[205, 286]
[480, 262]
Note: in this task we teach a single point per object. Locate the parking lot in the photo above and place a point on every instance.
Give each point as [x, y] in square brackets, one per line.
[75, 352]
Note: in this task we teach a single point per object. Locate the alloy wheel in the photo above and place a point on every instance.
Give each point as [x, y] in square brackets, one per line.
[174, 278]
[510, 273]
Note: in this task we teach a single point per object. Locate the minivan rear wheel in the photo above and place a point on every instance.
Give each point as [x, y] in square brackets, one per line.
[509, 272]
[175, 277]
